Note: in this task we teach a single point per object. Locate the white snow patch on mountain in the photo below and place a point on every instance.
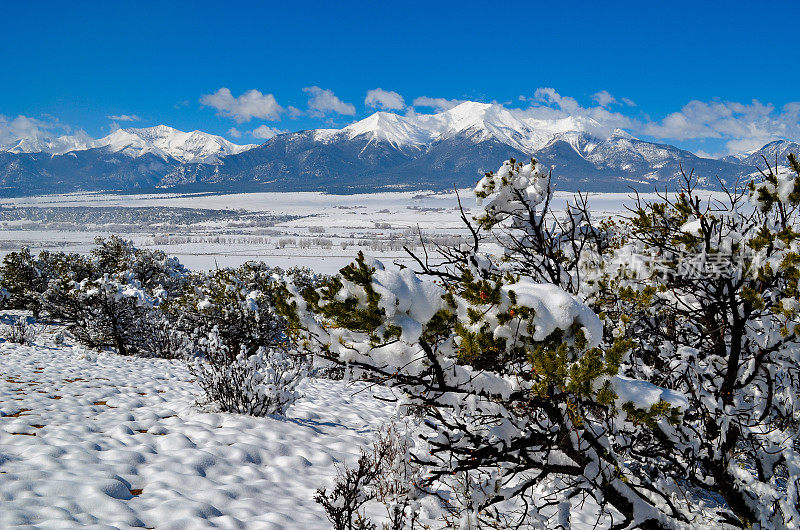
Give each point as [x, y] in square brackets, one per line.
[162, 141]
[477, 121]
[195, 146]
[54, 146]
[392, 128]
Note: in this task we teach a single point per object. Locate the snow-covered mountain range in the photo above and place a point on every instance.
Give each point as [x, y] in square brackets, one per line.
[162, 141]
[479, 121]
[382, 151]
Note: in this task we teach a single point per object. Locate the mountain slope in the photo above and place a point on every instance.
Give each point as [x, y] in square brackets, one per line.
[88, 170]
[162, 141]
[298, 161]
[166, 142]
[773, 152]
[382, 151]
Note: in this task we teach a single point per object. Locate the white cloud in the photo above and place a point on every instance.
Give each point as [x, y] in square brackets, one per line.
[251, 104]
[322, 102]
[549, 96]
[604, 98]
[548, 104]
[746, 145]
[48, 134]
[743, 127]
[384, 99]
[14, 129]
[704, 154]
[265, 133]
[233, 132]
[123, 117]
[438, 104]
[739, 127]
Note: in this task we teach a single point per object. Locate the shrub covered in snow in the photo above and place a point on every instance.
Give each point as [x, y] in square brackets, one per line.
[142, 302]
[264, 382]
[384, 475]
[344, 503]
[18, 331]
[108, 299]
[22, 281]
[237, 305]
[112, 311]
[113, 298]
[237, 342]
[587, 363]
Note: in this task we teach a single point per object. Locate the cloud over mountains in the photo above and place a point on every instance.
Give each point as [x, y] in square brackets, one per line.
[385, 150]
[243, 108]
[726, 127]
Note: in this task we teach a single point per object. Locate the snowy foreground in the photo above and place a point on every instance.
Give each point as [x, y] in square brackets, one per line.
[105, 441]
[99, 439]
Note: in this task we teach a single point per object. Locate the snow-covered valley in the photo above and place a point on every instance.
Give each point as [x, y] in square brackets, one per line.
[316, 230]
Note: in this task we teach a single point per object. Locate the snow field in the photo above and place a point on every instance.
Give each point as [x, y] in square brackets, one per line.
[117, 442]
[346, 219]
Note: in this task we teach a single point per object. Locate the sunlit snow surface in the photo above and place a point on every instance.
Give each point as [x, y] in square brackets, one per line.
[348, 220]
[105, 441]
[100, 439]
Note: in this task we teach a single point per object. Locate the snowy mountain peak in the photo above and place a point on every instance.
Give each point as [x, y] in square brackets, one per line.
[195, 146]
[485, 116]
[483, 121]
[161, 140]
[774, 153]
[54, 146]
[389, 127]
[478, 122]
[468, 112]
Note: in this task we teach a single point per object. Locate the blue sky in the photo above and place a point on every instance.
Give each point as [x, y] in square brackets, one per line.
[684, 73]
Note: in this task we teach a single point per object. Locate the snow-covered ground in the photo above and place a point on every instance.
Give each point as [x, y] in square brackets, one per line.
[378, 223]
[89, 438]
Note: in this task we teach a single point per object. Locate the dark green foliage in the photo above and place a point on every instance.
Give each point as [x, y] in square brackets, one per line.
[23, 281]
[237, 304]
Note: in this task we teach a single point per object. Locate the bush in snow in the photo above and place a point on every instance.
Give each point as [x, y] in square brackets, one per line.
[588, 363]
[18, 332]
[264, 382]
[344, 504]
[237, 305]
[243, 358]
[113, 298]
[153, 269]
[142, 302]
[22, 281]
[116, 311]
[716, 319]
[384, 475]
